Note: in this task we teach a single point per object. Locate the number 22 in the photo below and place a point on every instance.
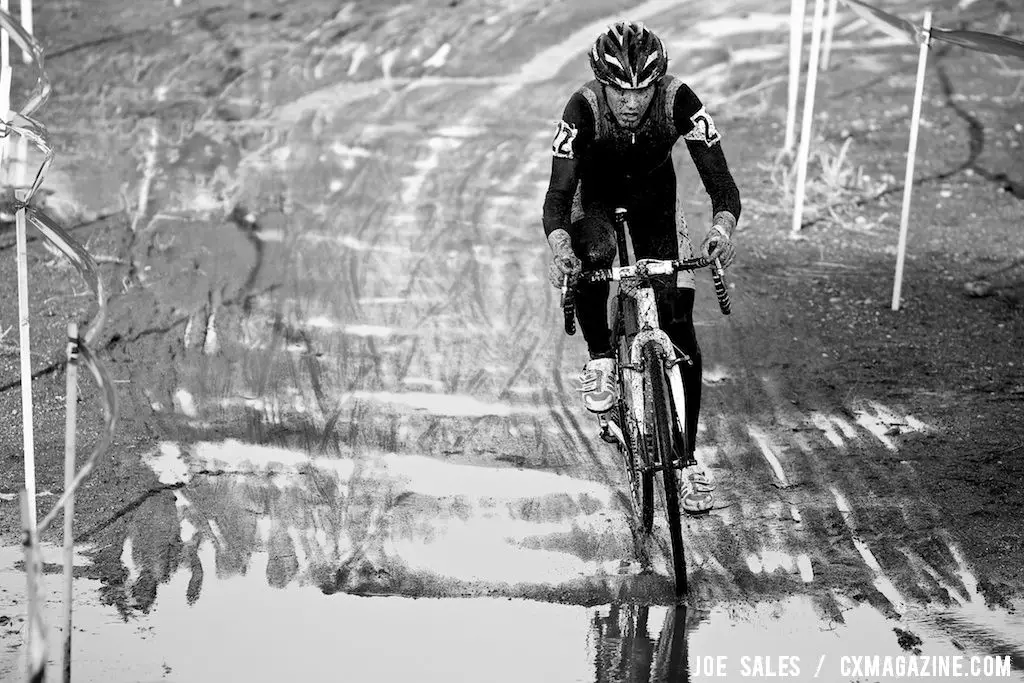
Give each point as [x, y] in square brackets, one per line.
[561, 146]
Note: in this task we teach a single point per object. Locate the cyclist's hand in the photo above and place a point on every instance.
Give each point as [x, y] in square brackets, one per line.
[563, 260]
[718, 245]
[559, 268]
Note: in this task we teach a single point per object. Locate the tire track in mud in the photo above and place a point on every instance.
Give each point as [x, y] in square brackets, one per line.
[567, 425]
[857, 516]
[454, 217]
[460, 193]
[379, 225]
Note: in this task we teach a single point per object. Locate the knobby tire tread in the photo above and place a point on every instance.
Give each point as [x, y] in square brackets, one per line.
[638, 461]
[660, 410]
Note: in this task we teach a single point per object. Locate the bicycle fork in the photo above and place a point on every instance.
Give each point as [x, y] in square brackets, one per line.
[633, 374]
[636, 379]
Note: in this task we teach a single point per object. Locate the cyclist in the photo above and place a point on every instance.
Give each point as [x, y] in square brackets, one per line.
[613, 148]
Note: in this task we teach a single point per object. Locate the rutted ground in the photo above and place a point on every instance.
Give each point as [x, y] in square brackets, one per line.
[362, 385]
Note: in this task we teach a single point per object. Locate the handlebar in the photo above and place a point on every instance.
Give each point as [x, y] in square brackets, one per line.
[642, 270]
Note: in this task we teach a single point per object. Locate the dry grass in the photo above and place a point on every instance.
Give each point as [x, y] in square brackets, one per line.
[834, 185]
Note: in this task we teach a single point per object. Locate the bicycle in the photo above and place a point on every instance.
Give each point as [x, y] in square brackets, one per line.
[652, 400]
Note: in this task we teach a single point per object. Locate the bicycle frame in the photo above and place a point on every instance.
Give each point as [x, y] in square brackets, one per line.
[648, 330]
[648, 443]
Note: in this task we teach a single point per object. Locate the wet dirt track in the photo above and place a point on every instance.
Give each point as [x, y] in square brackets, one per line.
[391, 415]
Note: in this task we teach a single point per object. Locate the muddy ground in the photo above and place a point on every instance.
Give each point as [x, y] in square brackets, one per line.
[222, 86]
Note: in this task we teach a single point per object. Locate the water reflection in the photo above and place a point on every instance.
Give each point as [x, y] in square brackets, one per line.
[626, 652]
[386, 523]
[794, 639]
[251, 534]
[245, 629]
[379, 524]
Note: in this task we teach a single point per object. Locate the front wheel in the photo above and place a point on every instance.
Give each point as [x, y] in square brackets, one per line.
[661, 437]
[636, 455]
[638, 466]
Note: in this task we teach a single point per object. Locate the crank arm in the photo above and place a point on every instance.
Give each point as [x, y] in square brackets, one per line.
[610, 432]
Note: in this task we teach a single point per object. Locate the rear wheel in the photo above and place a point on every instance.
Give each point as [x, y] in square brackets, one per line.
[658, 410]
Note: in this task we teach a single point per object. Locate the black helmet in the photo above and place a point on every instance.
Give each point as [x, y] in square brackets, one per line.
[628, 55]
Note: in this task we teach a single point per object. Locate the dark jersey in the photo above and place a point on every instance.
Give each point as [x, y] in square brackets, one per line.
[601, 165]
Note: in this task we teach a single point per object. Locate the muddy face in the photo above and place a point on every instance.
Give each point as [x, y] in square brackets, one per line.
[628, 106]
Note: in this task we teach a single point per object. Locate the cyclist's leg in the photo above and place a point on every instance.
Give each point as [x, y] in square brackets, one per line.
[593, 241]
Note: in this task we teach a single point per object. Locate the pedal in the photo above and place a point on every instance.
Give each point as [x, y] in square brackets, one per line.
[606, 433]
[682, 463]
[610, 432]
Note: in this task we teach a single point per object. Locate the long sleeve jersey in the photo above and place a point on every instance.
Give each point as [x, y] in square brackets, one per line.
[601, 164]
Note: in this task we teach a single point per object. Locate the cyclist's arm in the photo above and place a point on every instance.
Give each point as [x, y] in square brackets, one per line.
[573, 133]
[703, 141]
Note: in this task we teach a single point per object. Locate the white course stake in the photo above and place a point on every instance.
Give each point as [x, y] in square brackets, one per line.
[805, 133]
[26, 359]
[21, 157]
[70, 427]
[796, 38]
[908, 181]
[23, 321]
[5, 106]
[830, 29]
[26, 23]
[5, 46]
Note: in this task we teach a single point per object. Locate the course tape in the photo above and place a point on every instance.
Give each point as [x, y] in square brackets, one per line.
[972, 40]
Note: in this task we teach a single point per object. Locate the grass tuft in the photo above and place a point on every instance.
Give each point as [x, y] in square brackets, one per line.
[834, 186]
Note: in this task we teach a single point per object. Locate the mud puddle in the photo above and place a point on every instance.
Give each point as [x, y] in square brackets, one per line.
[242, 628]
[258, 563]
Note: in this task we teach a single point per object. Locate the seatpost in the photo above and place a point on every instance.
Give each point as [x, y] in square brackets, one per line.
[620, 235]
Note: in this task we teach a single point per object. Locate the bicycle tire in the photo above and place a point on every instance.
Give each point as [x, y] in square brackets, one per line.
[658, 409]
[641, 475]
[636, 455]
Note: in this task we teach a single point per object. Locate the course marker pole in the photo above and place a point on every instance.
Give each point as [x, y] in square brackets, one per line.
[830, 29]
[35, 636]
[71, 422]
[24, 325]
[805, 134]
[908, 185]
[21, 156]
[796, 36]
[26, 23]
[5, 43]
